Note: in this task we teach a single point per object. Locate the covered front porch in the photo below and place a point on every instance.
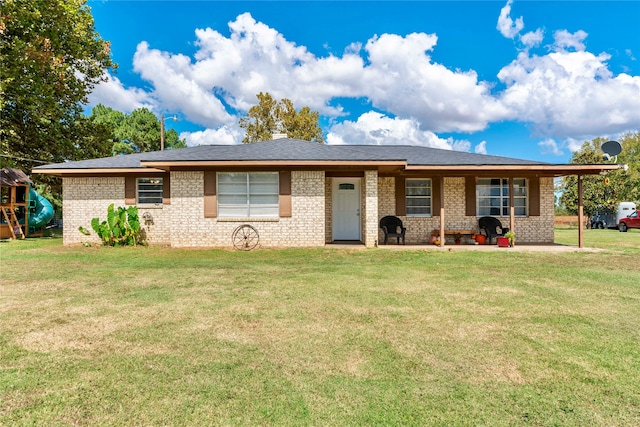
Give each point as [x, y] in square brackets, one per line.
[455, 203]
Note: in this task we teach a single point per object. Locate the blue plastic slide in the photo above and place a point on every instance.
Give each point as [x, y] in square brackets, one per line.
[42, 212]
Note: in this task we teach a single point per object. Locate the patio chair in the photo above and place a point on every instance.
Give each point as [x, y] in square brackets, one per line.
[492, 227]
[392, 227]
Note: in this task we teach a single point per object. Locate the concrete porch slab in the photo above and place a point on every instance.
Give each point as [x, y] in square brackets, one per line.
[539, 247]
[542, 247]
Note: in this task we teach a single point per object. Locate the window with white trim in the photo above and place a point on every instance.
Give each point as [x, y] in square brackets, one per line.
[248, 194]
[149, 191]
[418, 197]
[492, 197]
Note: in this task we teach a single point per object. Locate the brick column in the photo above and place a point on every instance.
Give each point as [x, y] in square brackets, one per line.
[370, 208]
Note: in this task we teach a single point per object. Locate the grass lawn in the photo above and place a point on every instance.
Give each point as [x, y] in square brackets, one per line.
[156, 336]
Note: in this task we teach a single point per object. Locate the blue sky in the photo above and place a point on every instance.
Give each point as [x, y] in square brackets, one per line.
[525, 79]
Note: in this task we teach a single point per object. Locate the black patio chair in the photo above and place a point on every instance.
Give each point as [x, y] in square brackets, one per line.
[392, 227]
[492, 227]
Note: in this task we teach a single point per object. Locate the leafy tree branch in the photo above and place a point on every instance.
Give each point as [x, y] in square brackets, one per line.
[270, 117]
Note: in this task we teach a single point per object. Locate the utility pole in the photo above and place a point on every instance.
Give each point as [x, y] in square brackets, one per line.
[162, 119]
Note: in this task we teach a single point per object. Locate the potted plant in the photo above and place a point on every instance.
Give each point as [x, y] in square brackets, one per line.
[512, 237]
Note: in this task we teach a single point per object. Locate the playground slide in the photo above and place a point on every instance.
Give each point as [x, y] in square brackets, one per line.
[43, 212]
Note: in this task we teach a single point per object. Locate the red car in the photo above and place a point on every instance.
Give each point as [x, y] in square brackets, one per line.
[632, 221]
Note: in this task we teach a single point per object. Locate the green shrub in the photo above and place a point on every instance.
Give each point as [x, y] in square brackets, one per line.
[121, 228]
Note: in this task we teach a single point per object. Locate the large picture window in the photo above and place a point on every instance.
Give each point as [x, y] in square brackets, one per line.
[418, 194]
[493, 196]
[247, 194]
[149, 191]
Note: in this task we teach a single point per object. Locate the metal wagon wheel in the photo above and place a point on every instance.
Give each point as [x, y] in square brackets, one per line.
[245, 238]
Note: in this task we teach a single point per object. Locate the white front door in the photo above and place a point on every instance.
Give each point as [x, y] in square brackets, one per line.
[346, 209]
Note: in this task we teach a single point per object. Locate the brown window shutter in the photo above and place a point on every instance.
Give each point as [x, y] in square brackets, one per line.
[285, 194]
[166, 189]
[401, 196]
[435, 196]
[130, 190]
[210, 198]
[534, 196]
[470, 195]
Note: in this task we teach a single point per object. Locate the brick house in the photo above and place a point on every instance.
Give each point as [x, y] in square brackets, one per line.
[297, 193]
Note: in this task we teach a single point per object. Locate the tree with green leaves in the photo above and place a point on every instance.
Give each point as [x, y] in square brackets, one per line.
[141, 129]
[604, 191]
[629, 181]
[270, 117]
[135, 132]
[51, 58]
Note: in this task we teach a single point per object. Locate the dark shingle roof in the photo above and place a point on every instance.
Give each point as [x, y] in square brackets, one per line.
[10, 177]
[115, 162]
[287, 149]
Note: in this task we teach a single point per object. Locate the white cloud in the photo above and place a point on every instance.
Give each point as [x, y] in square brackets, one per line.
[481, 148]
[459, 144]
[112, 93]
[532, 38]
[373, 128]
[256, 58]
[222, 136]
[549, 146]
[507, 26]
[564, 40]
[574, 144]
[570, 94]
[399, 77]
[511, 29]
[175, 87]
[402, 79]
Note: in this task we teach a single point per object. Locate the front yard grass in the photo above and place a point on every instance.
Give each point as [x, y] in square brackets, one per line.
[157, 336]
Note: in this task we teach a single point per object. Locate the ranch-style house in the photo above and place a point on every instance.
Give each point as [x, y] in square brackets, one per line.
[296, 193]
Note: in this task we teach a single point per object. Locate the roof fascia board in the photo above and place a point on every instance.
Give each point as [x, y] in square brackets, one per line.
[551, 169]
[280, 163]
[150, 167]
[97, 171]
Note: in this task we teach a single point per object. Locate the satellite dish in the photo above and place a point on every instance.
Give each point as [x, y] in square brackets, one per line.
[612, 148]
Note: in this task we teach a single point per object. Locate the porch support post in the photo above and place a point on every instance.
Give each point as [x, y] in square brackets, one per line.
[370, 208]
[512, 208]
[442, 236]
[580, 214]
